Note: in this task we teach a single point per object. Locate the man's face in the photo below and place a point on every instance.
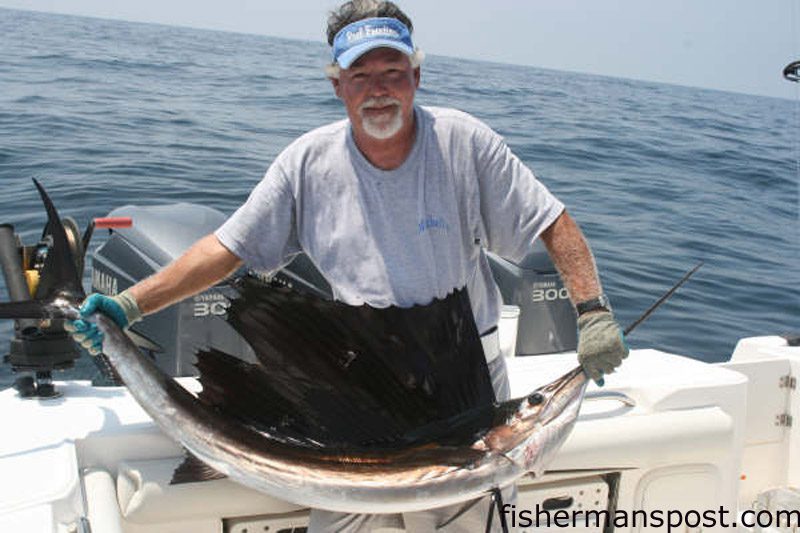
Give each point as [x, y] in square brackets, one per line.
[378, 92]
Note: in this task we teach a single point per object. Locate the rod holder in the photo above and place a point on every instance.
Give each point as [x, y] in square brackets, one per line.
[13, 274]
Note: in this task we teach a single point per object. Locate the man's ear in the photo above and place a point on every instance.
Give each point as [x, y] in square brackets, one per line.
[335, 83]
[417, 76]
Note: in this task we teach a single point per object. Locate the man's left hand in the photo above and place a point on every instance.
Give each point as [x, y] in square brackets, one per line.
[601, 345]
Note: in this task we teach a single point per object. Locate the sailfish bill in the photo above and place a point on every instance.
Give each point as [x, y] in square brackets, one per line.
[36, 309]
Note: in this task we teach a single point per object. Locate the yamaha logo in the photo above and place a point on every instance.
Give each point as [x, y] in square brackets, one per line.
[104, 283]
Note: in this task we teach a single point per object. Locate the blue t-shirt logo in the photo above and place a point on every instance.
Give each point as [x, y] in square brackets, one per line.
[431, 222]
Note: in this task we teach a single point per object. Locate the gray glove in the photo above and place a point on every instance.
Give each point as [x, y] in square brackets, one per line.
[601, 346]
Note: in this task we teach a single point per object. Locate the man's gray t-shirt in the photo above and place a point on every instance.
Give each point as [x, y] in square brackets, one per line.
[403, 236]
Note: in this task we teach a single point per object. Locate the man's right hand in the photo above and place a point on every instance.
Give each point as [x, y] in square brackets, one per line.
[122, 309]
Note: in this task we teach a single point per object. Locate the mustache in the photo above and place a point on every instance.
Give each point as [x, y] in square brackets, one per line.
[381, 101]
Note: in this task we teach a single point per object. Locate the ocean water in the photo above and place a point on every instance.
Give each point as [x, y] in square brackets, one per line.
[107, 113]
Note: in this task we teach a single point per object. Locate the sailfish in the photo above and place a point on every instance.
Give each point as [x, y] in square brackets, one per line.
[345, 408]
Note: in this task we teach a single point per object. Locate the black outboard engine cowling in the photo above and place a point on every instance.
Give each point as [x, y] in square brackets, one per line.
[547, 321]
[160, 234]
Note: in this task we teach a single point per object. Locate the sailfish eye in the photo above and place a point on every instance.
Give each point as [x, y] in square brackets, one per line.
[536, 398]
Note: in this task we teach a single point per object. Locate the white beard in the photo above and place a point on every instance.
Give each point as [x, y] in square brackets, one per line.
[382, 128]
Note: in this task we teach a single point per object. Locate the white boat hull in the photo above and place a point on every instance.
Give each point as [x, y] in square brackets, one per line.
[665, 433]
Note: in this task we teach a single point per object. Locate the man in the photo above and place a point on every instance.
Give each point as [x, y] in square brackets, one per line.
[395, 206]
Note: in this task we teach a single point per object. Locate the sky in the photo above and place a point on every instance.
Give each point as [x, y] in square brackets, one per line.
[733, 45]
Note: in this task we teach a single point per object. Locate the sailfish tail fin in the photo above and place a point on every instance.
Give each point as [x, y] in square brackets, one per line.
[60, 273]
[59, 276]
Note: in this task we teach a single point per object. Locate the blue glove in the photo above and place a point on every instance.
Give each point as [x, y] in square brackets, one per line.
[601, 345]
[122, 309]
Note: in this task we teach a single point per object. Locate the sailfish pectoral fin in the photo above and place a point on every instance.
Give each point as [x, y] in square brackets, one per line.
[193, 470]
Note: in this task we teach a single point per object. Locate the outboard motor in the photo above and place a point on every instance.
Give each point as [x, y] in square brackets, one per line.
[158, 235]
[547, 321]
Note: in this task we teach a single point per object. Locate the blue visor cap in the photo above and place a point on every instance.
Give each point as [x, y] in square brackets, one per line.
[358, 38]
